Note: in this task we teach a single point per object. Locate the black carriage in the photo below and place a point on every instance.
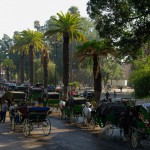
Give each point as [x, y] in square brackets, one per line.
[21, 89]
[14, 96]
[108, 116]
[39, 116]
[139, 127]
[35, 94]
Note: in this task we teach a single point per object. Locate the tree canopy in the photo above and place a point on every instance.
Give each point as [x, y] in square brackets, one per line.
[126, 22]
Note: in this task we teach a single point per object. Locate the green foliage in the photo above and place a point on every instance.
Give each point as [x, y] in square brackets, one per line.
[75, 84]
[89, 29]
[140, 77]
[66, 24]
[126, 22]
[40, 75]
[111, 70]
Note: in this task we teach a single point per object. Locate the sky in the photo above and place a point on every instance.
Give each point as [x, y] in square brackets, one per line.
[19, 15]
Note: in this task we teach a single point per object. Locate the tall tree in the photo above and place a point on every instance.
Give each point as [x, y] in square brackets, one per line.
[37, 25]
[8, 65]
[45, 61]
[68, 27]
[18, 47]
[74, 10]
[32, 41]
[94, 50]
[126, 22]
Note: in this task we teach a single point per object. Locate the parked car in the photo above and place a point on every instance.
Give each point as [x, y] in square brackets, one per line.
[88, 94]
[50, 88]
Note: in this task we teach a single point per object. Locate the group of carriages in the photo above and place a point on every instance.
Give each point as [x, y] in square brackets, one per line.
[28, 109]
[131, 120]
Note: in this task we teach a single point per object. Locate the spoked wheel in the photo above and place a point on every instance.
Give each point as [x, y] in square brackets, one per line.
[109, 129]
[26, 128]
[46, 126]
[92, 124]
[134, 139]
[13, 123]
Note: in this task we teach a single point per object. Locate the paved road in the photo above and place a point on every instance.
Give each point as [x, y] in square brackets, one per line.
[64, 136]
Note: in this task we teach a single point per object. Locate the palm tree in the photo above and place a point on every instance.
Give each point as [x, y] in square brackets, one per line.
[32, 41]
[68, 27]
[45, 61]
[95, 50]
[19, 48]
[8, 65]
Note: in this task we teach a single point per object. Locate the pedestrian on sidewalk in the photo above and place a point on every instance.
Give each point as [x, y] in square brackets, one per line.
[115, 94]
[107, 95]
[4, 110]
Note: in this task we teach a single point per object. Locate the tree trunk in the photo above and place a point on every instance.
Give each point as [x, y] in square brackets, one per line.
[7, 74]
[22, 68]
[66, 64]
[45, 63]
[97, 79]
[31, 65]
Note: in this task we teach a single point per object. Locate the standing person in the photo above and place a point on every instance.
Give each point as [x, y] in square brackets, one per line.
[115, 94]
[4, 110]
[71, 93]
[120, 88]
[107, 95]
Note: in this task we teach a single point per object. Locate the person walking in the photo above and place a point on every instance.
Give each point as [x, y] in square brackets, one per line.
[107, 95]
[115, 94]
[4, 110]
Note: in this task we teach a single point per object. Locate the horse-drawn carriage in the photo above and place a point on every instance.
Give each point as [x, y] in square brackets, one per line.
[14, 96]
[133, 120]
[39, 116]
[28, 115]
[73, 108]
[35, 94]
[108, 116]
[139, 127]
[51, 99]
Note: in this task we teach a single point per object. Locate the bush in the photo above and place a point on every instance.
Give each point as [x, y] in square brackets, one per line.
[140, 78]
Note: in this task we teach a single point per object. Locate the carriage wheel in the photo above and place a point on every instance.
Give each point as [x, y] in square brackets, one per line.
[26, 128]
[46, 126]
[92, 124]
[134, 139]
[13, 123]
[109, 129]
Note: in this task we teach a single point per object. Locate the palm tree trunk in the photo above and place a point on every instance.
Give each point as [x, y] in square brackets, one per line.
[22, 67]
[97, 79]
[31, 65]
[45, 71]
[7, 73]
[66, 64]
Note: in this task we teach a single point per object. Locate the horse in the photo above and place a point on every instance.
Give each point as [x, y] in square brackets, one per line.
[86, 111]
[62, 105]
